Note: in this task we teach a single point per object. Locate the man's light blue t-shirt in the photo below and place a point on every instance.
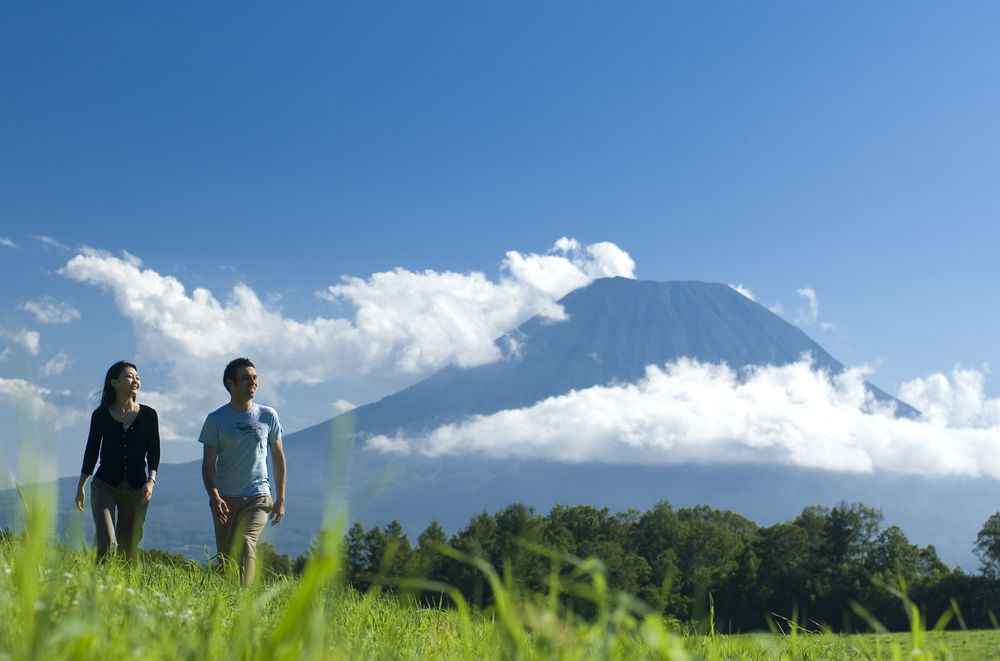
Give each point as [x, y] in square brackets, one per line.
[242, 438]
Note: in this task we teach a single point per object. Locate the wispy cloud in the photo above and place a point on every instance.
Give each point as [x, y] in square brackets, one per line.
[27, 340]
[4, 241]
[776, 308]
[693, 412]
[404, 322]
[809, 315]
[56, 365]
[49, 242]
[39, 403]
[49, 311]
[745, 291]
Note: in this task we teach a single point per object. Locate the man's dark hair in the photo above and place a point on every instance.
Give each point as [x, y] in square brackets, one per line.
[231, 368]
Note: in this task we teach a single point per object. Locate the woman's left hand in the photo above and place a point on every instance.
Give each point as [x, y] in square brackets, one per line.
[147, 491]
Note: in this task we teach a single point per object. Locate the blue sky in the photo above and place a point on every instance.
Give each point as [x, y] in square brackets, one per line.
[836, 160]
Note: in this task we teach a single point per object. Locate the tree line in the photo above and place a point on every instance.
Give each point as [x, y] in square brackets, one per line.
[831, 567]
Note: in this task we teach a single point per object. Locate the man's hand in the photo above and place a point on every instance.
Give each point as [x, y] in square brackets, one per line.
[220, 511]
[81, 498]
[277, 511]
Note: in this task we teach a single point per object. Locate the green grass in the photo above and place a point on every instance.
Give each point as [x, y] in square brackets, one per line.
[55, 604]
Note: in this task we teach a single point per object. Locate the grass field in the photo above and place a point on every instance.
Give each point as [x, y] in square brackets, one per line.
[55, 604]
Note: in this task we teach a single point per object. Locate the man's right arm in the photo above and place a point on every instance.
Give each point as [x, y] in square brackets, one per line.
[220, 510]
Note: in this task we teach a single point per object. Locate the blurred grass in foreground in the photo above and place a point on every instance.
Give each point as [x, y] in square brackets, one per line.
[54, 604]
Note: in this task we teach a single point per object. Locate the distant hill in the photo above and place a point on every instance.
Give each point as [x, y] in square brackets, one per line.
[946, 513]
[615, 328]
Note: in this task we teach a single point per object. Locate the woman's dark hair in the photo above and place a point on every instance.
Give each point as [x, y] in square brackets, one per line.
[231, 368]
[108, 394]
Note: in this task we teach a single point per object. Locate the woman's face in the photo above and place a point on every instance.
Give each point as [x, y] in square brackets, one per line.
[126, 385]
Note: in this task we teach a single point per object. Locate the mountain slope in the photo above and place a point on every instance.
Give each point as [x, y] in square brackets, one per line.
[615, 328]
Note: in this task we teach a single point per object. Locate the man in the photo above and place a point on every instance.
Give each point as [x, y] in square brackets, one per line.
[236, 438]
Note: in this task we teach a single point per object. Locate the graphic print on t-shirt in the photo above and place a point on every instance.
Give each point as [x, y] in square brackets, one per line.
[257, 431]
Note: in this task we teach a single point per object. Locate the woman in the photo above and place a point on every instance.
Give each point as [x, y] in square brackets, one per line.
[126, 437]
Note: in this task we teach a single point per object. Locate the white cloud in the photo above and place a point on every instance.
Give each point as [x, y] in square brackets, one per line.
[25, 339]
[809, 314]
[343, 406]
[413, 323]
[4, 241]
[56, 365]
[49, 311]
[38, 403]
[958, 401]
[404, 322]
[693, 412]
[174, 409]
[776, 308]
[745, 291]
[426, 320]
[49, 242]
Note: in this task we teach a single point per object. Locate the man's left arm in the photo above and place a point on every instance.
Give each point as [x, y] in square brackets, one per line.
[278, 462]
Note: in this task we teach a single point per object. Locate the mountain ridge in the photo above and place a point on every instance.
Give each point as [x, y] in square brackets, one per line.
[615, 328]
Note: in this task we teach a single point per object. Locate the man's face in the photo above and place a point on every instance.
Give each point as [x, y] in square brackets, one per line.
[244, 386]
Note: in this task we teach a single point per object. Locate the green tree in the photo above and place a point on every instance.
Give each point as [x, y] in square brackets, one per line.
[525, 568]
[396, 553]
[270, 563]
[987, 547]
[656, 530]
[478, 539]
[428, 562]
[710, 545]
[663, 590]
[850, 532]
[354, 554]
[893, 556]
[581, 527]
[931, 566]
[785, 553]
[847, 537]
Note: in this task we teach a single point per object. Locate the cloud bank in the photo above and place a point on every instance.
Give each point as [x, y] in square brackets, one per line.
[693, 412]
[404, 322]
[410, 324]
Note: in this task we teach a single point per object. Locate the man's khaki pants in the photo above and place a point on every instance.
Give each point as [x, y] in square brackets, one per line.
[237, 537]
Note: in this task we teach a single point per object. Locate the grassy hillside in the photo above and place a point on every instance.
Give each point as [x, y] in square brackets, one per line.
[54, 604]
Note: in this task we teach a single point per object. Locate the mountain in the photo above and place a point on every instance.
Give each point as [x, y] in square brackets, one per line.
[614, 329]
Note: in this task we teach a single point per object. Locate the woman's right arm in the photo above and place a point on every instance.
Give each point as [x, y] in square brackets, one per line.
[81, 496]
[89, 457]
